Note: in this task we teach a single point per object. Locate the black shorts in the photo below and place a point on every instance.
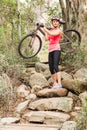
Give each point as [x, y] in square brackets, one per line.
[54, 58]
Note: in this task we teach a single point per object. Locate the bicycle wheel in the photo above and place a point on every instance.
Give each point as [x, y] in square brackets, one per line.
[29, 46]
[71, 40]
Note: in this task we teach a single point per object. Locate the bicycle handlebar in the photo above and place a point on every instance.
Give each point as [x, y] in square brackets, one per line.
[40, 25]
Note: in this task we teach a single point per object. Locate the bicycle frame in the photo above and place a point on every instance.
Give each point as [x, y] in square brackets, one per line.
[68, 39]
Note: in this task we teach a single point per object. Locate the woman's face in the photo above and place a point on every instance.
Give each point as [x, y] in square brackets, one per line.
[55, 23]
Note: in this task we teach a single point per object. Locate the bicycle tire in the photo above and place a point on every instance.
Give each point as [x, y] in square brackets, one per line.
[75, 37]
[28, 49]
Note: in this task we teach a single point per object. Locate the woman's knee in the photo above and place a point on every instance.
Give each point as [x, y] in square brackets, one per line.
[54, 70]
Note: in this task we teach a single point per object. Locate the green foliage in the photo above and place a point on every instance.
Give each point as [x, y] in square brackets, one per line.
[37, 2]
[82, 121]
[7, 94]
[3, 63]
[53, 10]
[75, 59]
[85, 18]
[8, 9]
[73, 21]
[9, 38]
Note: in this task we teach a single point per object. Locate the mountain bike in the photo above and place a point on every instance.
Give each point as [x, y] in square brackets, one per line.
[31, 44]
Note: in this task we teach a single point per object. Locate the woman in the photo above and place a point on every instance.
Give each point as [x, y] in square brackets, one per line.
[53, 36]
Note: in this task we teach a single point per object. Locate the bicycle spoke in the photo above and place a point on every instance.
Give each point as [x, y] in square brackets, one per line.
[29, 46]
[71, 41]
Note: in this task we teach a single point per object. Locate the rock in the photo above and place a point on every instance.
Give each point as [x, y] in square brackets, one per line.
[22, 106]
[31, 96]
[78, 83]
[50, 81]
[22, 92]
[52, 92]
[76, 99]
[81, 74]
[40, 67]
[26, 73]
[60, 103]
[35, 88]
[69, 125]
[47, 117]
[74, 85]
[83, 97]
[75, 115]
[30, 70]
[47, 74]
[78, 109]
[9, 120]
[38, 79]
[65, 75]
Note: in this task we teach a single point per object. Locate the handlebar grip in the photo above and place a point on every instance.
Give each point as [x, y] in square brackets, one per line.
[40, 24]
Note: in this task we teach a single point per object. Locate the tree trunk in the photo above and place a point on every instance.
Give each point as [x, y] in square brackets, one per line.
[82, 18]
[19, 19]
[75, 14]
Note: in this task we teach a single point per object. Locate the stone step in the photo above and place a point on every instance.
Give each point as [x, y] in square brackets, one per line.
[28, 127]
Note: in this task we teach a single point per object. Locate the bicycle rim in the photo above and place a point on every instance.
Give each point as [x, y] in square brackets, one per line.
[29, 46]
[71, 41]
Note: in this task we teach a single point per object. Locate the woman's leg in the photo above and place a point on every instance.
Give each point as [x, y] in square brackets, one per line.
[59, 78]
[56, 58]
[54, 78]
[51, 68]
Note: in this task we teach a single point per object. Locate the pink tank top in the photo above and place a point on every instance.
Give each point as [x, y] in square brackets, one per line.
[54, 42]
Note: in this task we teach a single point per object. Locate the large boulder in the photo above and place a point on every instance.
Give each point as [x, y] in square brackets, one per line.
[52, 92]
[60, 103]
[40, 67]
[81, 75]
[78, 83]
[43, 68]
[65, 75]
[38, 79]
[74, 85]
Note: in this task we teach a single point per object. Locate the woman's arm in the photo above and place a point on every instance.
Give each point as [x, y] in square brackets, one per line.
[46, 36]
[53, 32]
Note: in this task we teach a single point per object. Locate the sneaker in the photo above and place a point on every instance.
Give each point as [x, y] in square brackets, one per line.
[57, 86]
